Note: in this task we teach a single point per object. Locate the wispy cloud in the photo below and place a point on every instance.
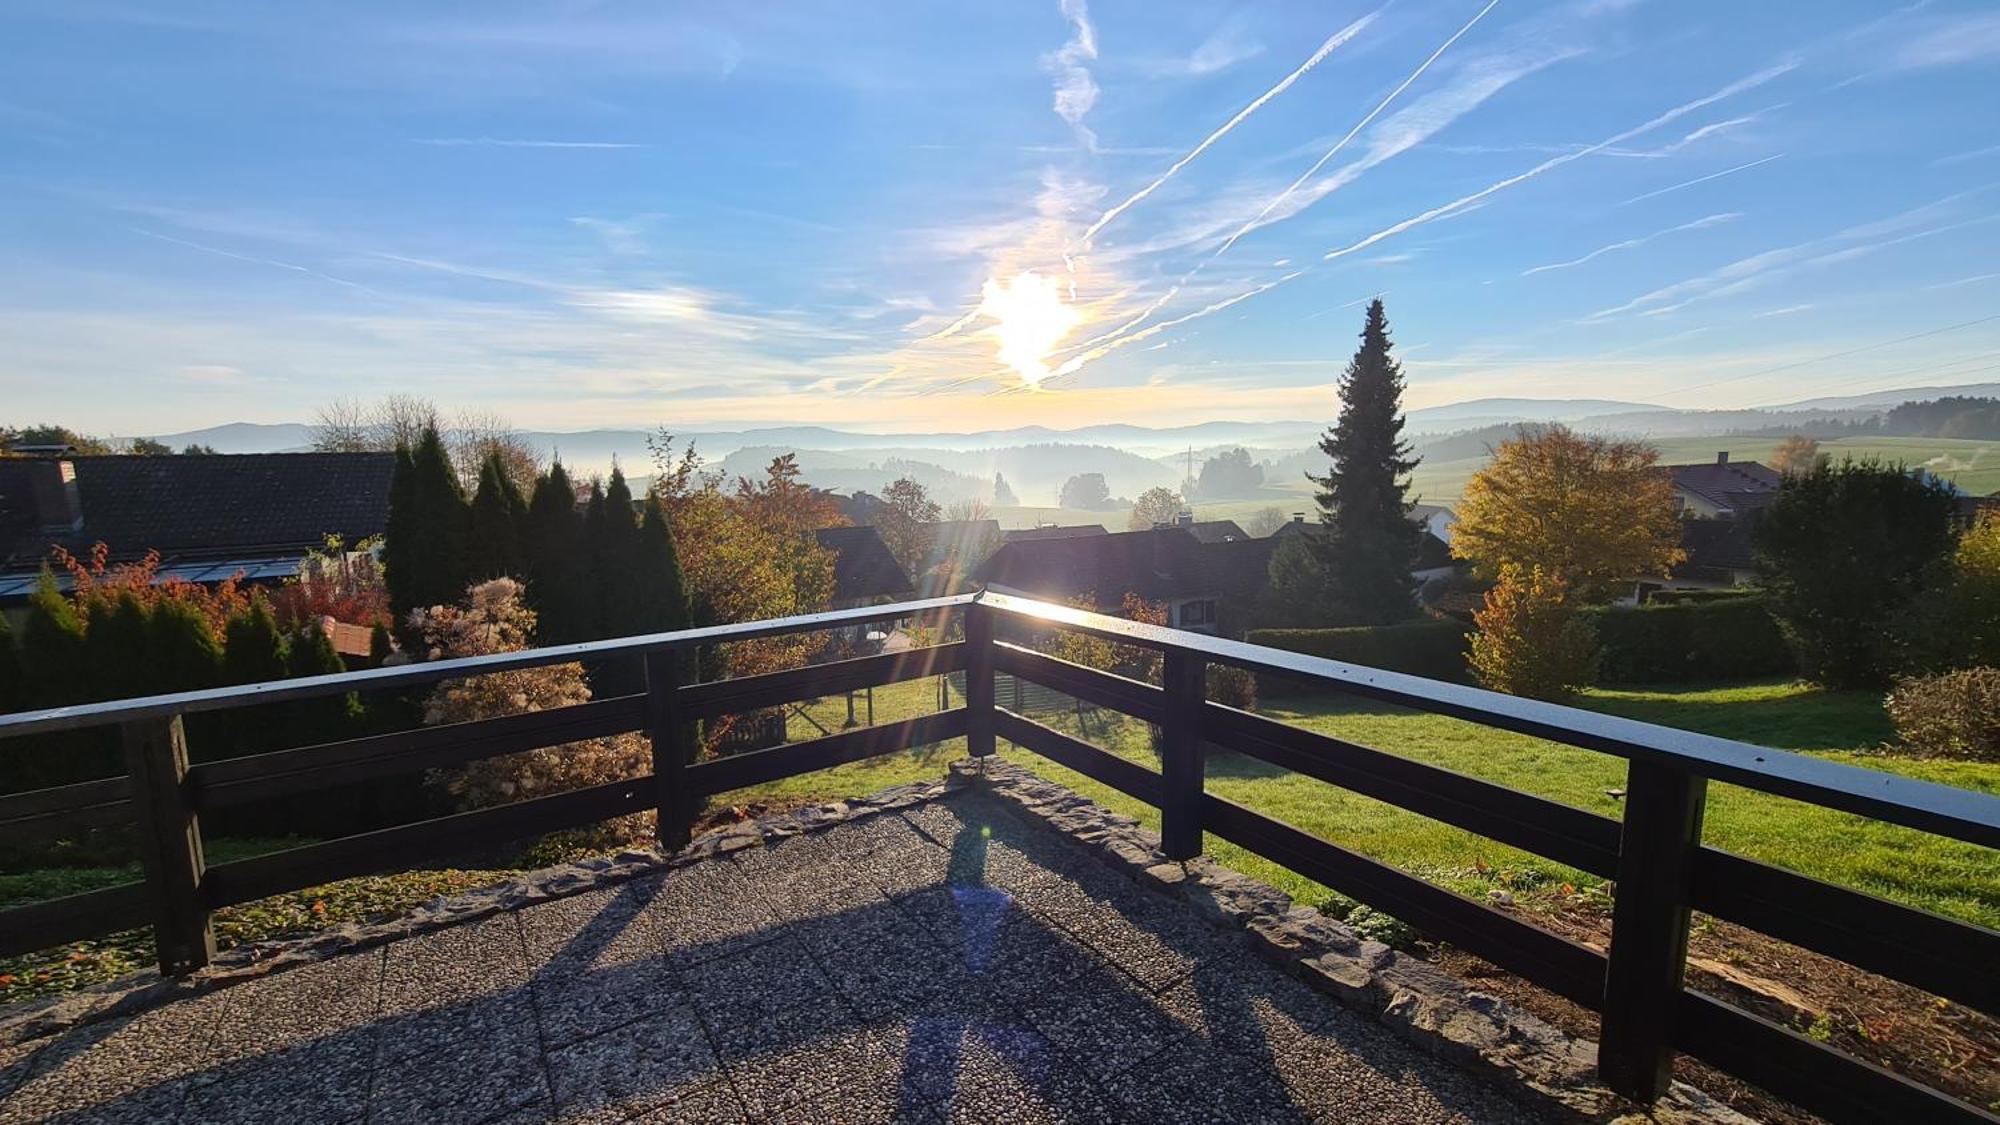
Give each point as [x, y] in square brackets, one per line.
[500, 142]
[1224, 48]
[1975, 279]
[1962, 157]
[1948, 40]
[1333, 43]
[1076, 91]
[1457, 206]
[1701, 179]
[1788, 310]
[1627, 244]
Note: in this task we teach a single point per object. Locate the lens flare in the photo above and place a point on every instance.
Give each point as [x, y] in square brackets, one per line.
[1030, 318]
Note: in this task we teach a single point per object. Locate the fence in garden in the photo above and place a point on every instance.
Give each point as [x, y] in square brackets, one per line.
[1655, 856]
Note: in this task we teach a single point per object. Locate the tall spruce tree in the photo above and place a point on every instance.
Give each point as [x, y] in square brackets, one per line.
[400, 531]
[253, 649]
[435, 558]
[662, 588]
[497, 514]
[13, 689]
[1370, 542]
[549, 543]
[593, 567]
[182, 651]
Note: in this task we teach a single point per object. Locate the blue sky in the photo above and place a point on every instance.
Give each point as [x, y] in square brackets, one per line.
[904, 216]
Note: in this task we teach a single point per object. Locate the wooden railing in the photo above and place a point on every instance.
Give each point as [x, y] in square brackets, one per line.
[1661, 869]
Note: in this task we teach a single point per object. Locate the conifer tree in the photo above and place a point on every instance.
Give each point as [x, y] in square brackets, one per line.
[497, 512]
[400, 529]
[253, 649]
[13, 689]
[114, 646]
[435, 556]
[555, 570]
[593, 567]
[52, 655]
[182, 652]
[1371, 542]
[662, 587]
[325, 719]
[1003, 493]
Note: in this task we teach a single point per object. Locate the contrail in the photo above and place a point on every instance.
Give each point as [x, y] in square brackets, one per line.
[1704, 179]
[274, 264]
[1358, 126]
[1553, 162]
[1627, 244]
[1332, 43]
[1076, 363]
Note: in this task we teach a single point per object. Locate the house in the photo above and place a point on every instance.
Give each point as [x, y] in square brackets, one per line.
[864, 572]
[210, 518]
[1053, 531]
[1433, 549]
[1168, 565]
[1723, 489]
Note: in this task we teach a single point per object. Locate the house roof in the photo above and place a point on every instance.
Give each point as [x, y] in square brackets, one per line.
[222, 506]
[1020, 534]
[1158, 565]
[1432, 551]
[1215, 531]
[1733, 486]
[862, 565]
[1715, 545]
[947, 534]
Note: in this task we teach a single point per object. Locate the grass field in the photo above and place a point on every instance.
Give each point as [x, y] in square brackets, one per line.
[1959, 880]
[1973, 465]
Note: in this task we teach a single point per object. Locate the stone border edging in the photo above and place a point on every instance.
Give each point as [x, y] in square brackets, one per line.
[1422, 1003]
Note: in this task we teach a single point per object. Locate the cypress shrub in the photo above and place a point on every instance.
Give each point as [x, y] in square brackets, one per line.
[1434, 649]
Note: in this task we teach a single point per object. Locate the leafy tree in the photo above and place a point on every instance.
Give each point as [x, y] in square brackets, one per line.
[1371, 542]
[904, 521]
[497, 515]
[1230, 473]
[1265, 522]
[1975, 593]
[1531, 641]
[1589, 512]
[1796, 454]
[435, 559]
[59, 435]
[147, 447]
[1003, 493]
[197, 449]
[1155, 506]
[1085, 490]
[1845, 551]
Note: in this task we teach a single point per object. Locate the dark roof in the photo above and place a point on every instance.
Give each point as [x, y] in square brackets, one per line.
[1072, 531]
[1432, 552]
[862, 564]
[1215, 531]
[1714, 546]
[946, 534]
[1159, 565]
[1735, 486]
[216, 506]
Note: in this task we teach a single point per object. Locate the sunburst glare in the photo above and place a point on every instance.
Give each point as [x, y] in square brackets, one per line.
[1030, 317]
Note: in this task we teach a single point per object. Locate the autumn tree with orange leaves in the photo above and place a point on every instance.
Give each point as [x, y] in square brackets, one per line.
[1589, 513]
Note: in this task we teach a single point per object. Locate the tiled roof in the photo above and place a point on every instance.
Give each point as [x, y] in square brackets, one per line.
[1715, 545]
[862, 564]
[216, 505]
[1072, 531]
[1731, 485]
[1215, 531]
[1159, 565]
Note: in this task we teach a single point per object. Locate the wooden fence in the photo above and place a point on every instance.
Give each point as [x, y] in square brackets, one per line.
[1661, 869]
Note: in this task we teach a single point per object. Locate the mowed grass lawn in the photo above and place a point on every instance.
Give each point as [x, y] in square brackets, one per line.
[1959, 880]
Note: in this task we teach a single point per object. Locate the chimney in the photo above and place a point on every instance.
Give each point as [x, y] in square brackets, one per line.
[40, 493]
[1185, 519]
[1722, 458]
[1298, 517]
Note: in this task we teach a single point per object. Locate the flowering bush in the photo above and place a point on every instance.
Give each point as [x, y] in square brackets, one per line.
[493, 619]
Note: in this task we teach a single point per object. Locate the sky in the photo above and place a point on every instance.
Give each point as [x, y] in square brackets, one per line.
[926, 216]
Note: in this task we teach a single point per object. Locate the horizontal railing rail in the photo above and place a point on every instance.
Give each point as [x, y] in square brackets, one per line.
[1654, 857]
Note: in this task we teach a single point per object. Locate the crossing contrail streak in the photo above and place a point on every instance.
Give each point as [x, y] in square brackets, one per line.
[1333, 43]
[1704, 179]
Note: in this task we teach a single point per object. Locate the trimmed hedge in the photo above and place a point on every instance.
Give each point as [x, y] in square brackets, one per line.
[1434, 649]
[1725, 639]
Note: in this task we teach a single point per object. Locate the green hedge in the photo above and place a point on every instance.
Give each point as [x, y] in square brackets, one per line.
[1434, 649]
[1725, 639]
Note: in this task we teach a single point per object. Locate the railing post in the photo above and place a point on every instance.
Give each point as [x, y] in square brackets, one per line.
[1649, 928]
[169, 839]
[1185, 678]
[978, 680]
[673, 739]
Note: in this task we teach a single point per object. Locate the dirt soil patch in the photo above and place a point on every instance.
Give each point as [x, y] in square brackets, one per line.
[1923, 1037]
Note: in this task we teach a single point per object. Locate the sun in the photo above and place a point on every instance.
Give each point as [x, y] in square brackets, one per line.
[1030, 317]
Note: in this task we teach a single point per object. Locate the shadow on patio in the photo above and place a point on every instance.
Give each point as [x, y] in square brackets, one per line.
[951, 962]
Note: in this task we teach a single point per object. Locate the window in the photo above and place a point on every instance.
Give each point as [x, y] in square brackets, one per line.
[1198, 613]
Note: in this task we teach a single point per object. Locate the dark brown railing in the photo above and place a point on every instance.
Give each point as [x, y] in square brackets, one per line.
[1655, 857]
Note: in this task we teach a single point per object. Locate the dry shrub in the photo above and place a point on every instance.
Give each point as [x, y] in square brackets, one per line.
[1949, 715]
[493, 619]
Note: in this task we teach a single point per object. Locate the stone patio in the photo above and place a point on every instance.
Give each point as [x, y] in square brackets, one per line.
[957, 959]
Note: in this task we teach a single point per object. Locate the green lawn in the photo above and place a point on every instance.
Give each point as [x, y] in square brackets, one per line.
[1960, 880]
